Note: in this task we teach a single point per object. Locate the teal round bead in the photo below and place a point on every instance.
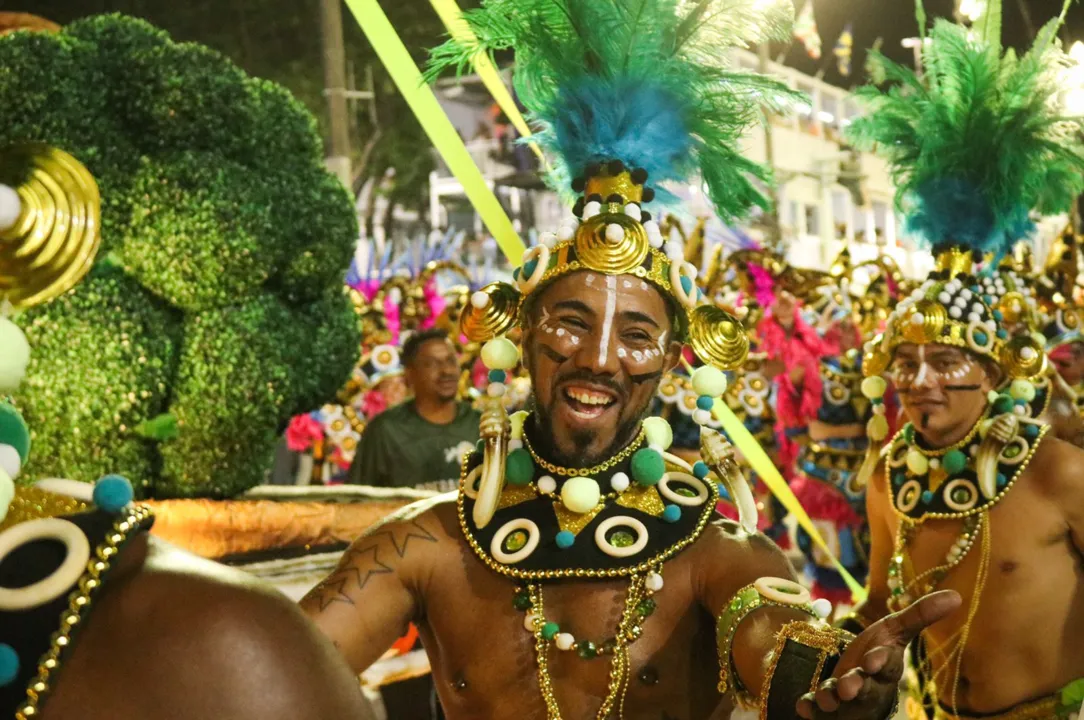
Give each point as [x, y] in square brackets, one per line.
[671, 513]
[705, 403]
[529, 268]
[518, 467]
[647, 467]
[9, 664]
[113, 493]
[550, 630]
[954, 461]
[701, 470]
[980, 337]
[565, 539]
[1031, 431]
[686, 285]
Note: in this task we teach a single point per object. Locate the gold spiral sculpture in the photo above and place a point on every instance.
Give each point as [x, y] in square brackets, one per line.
[718, 337]
[55, 237]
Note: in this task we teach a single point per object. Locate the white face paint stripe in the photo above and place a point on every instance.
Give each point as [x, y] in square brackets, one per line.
[608, 321]
[662, 342]
[923, 368]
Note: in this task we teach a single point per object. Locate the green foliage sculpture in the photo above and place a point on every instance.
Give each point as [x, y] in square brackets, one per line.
[215, 310]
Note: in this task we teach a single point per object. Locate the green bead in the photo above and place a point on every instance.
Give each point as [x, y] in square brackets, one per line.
[954, 461]
[909, 433]
[708, 380]
[1003, 404]
[586, 650]
[658, 432]
[550, 630]
[648, 467]
[518, 467]
[647, 607]
[522, 601]
[500, 354]
[622, 539]
[1022, 390]
[515, 541]
[608, 647]
[736, 604]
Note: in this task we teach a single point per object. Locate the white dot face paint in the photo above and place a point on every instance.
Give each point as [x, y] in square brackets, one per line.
[622, 353]
[637, 356]
[643, 285]
[626, 284]
[608, 318]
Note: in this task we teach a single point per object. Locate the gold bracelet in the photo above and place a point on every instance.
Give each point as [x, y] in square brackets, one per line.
[765, 592]
[826, 640]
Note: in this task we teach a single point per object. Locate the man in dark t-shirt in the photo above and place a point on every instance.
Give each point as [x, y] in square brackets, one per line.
[419, 443]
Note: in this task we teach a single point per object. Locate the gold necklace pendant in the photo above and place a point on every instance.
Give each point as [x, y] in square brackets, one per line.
[585, 472]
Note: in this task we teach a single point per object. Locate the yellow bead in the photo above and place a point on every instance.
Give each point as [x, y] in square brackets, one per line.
[580, 494]
[874, 387]
[500, 354]
[658, 432]
[709, 381]
[917, 462]
[877, 427]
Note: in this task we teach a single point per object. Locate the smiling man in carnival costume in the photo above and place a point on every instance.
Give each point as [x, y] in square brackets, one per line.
[575, 539]
[974, 494]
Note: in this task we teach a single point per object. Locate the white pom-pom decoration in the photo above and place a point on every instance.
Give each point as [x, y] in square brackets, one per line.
[479, 300]
[548, 239]
[1027, 354]
[614, 233]
[701, 417]
[675, 251]
[966, 294]
[10, 462]
[566, 232]
[496, 389]
[974, 317]
[918, 318]
[633, 211]
[11, 207]
[944, 298]
[955, 313]
[591, 209]
[547, 485]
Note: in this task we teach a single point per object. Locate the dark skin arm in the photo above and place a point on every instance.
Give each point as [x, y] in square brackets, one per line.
[867, 676]
[181, 638]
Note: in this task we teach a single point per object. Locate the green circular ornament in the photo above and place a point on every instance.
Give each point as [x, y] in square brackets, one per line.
[622, 539]
[658, 432]
[586, 650]
[500, 354]
[954, 461]
[648, 467]
[515, 541]
[1003, 404]
[518, 468]
[1022, 390]
[13, 431]
[550, 630]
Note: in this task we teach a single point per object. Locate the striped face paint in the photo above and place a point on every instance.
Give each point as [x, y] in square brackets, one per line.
[608, 319]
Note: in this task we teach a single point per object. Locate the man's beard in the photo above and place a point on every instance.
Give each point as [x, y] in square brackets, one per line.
[542, 439]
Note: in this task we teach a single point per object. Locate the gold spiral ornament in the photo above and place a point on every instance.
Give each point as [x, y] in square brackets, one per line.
[718, 338]
[875, 359]
[597, 252]
[924, 322]
[498, 316]
[1013, 307]
[53, 240]
[1023, 357]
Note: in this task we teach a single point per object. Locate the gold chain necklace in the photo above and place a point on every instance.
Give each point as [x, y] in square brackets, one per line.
[585, 472]
[619, 667]
[939, 452]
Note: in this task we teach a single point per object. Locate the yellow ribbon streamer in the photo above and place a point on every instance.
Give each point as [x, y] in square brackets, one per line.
[460, 30]
[764, 467]
[391, 51]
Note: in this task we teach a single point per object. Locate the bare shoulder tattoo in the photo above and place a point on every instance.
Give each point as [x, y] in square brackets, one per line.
[376, 553]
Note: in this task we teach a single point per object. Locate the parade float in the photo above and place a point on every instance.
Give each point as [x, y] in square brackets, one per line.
[176, 215]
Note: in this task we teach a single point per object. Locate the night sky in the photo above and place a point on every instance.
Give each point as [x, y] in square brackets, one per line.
[894, 20]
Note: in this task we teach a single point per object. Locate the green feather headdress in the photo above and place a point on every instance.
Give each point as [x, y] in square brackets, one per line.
[640, 81]
[980, 139]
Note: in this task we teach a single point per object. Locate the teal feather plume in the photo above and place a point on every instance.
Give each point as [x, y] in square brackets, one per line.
[983, 127]
[641, 81]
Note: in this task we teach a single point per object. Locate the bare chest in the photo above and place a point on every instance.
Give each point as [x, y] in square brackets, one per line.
[485, 660]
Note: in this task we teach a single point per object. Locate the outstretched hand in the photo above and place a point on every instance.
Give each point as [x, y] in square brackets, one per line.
[865, 683]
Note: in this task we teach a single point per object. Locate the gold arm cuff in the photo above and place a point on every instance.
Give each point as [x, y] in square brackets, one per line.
[828, 641]
[744, 602]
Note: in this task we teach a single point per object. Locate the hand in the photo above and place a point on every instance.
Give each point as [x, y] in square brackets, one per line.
[865, 683]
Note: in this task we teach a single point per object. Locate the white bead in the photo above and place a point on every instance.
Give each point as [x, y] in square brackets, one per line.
[10, 462]
[11, 207]
[479, 300]
[991, 325]
[955, 313]
[701, 417]
[822, 608]
[633, 211]
[1027, 353]
[1020, 409]
[652, 227]
[528, 621]
[653, 582]
[965, 295]
[944, 298]
[548, 239]
[547, 485]
[496, 390]
[619, 482]
[974, 317]
[515, 444]
[566, 232]
[564, 641]
[918, 318]
[615, 233]
[918, 293]
[879, 409]
[977, 308]
[675, 251]
[654, 239]
[934, 463]
[591, 209]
